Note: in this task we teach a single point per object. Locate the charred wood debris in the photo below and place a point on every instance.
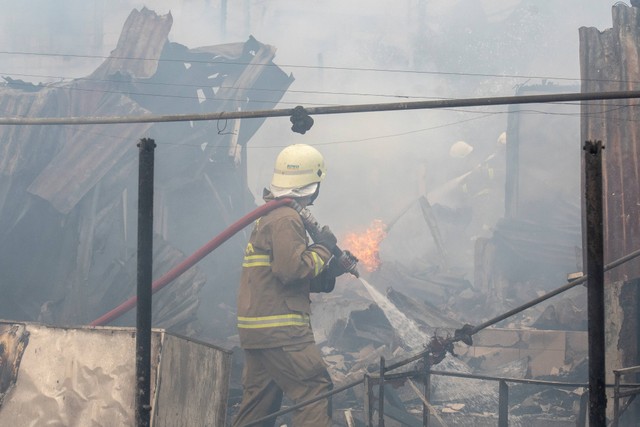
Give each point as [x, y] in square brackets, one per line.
[67, 220]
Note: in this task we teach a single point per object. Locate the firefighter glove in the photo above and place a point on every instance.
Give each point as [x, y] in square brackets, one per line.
[335, 267]
[326, 238]
[323, 283]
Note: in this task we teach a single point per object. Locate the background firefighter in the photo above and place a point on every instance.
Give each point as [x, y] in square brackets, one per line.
[279, 271]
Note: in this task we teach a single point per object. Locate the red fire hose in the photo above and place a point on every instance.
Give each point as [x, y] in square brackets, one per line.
[189, 262]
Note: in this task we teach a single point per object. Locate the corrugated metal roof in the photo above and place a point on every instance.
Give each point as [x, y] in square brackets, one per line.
[67, 201]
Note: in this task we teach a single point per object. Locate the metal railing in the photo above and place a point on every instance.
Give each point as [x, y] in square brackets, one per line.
[373, 402]
[426, 373]
[619, 394]
[370, 380]
[630, 389]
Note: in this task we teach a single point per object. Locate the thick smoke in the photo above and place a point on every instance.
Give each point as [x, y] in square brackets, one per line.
[353, 52]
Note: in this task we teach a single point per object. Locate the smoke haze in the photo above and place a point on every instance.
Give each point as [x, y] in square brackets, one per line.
[351, 52]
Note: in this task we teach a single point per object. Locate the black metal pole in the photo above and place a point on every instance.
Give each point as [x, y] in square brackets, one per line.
[145, 264]
[381, 394]
[427, 391]
[595, 281]
[503, 404]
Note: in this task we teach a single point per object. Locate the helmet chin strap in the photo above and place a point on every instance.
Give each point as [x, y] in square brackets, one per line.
[314, 196]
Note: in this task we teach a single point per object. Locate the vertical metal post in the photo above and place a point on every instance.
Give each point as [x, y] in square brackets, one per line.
[582, 411]
[381, 393]
[427, 391]
[368, 401]
[503, 404]
[616, 399]
[595, 281]
[145, 264]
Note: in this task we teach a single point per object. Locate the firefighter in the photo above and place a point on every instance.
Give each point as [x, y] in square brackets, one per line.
[279, 271]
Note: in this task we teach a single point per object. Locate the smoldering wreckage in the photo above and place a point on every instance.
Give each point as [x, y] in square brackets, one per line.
[67, 254]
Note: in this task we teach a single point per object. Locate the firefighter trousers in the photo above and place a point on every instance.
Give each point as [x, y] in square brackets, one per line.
[298, 371]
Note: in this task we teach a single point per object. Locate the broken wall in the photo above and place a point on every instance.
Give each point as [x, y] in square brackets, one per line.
[538, 241]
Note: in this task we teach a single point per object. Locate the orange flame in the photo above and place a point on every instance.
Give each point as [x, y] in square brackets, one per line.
[365, 246]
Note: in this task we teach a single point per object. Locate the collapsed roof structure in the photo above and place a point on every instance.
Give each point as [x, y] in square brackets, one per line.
[67, 194]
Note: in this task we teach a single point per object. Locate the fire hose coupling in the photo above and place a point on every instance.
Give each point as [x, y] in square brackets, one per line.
[464, 334]
[438, 347]
[301, 120]
[346, 259]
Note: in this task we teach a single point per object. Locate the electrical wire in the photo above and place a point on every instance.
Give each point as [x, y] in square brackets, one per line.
[258, 89]
[243, 100]
[322, 67]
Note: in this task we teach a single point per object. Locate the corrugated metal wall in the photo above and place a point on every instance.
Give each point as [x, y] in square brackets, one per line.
[610, 61]
[85, 376]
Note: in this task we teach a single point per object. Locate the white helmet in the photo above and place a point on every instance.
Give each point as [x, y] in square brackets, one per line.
[460, 150]
[298, 166]
[502, 139]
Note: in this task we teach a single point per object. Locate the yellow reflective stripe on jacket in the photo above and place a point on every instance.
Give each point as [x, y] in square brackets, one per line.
[318, 263]
[256, 261]
[273, 321]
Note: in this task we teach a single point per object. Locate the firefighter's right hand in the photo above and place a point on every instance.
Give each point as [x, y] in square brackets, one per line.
[326, 238]
[335, 268]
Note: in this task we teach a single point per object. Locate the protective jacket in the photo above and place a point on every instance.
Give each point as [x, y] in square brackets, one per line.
[279, 271]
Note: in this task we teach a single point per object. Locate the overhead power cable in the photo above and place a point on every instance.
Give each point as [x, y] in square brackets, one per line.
[199, 86]
[338, 109]
[320, 67]
[301, 66]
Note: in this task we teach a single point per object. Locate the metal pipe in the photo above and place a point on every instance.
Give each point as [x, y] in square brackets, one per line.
[582, 411]
[595, 282]
[369, 382]
[491, 322]
[427, 391]
[334, 109]
[570, 285]
[145, 266]
[616, 399]
[381, 394]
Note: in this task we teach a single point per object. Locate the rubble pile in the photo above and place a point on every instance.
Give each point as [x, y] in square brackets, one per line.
[416, 290]
[353, 332]
[354, 341]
